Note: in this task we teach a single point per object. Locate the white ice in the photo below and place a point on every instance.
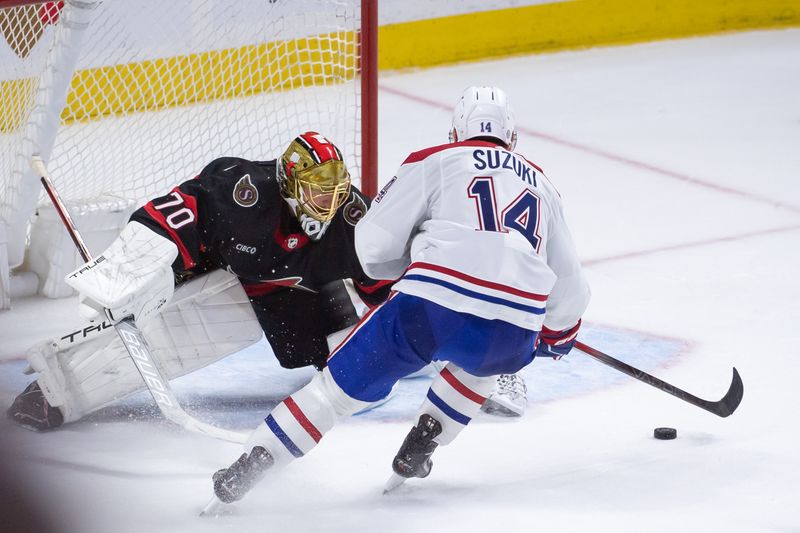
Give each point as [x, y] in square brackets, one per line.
[678, 162]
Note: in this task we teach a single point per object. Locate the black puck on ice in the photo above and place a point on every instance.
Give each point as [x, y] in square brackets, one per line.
[665, 433]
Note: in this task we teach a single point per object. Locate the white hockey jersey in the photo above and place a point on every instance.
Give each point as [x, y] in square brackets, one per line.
[478, 229]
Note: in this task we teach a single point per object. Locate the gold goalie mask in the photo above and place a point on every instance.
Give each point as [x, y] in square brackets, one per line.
[314, 176]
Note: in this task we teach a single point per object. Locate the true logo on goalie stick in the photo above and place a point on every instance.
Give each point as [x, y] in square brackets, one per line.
[244, 192]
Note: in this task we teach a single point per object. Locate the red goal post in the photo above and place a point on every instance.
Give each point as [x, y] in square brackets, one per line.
[124, 99]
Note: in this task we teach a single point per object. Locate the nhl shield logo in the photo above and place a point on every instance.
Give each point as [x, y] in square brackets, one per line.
[244, 192]
[291, 242]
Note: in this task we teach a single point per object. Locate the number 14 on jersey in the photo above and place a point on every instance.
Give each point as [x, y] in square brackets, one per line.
[521, 214]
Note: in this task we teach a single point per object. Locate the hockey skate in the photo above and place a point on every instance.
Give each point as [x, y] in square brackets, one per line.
[232, 483]
[509, 397]
[413, 459]
[31, 410]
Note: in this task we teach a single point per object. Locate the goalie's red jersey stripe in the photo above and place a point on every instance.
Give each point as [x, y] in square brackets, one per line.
[302, 419]
[158, 216]
[372, 288]
[269, 286]
[478, 281]
[461, 388]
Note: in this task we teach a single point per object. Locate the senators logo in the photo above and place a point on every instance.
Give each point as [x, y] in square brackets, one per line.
[354, 210]
[245, 193]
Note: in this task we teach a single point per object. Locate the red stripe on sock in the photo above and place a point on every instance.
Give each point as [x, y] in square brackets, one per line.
[461, 388]
[301, 418]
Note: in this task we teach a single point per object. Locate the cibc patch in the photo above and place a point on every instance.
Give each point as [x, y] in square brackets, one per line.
[354, 210]
[245, 193]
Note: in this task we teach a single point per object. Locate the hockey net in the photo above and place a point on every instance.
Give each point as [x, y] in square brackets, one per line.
[126, 98]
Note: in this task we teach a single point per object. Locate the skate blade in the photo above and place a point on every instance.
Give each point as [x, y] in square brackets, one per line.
[216, 507]
[393, 482]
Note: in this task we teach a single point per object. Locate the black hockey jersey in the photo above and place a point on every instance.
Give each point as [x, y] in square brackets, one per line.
[232, 216]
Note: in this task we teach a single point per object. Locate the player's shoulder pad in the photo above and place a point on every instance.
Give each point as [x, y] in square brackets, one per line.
[545, 181]
[225, 166]
[355, 207]
[425, 153]
[531, 163]
[247, 182]
[237, 166]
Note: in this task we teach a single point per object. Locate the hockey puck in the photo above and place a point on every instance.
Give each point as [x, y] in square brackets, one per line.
[665, 433]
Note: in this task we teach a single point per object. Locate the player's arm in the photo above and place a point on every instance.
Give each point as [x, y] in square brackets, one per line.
[570, 295]
[383, 236]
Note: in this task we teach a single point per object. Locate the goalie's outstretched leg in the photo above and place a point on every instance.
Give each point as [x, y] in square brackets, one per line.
[78, 373]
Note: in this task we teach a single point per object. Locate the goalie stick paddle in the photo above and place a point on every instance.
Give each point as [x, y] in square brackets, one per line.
[723, 407]
[132, 339]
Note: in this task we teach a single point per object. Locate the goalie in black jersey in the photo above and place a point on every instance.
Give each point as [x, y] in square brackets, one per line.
[245, 249]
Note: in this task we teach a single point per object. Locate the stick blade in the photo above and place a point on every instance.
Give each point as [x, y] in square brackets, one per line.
[728, 404]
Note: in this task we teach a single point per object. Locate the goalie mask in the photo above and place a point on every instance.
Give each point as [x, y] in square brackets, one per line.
[315, 181]
[484, 112]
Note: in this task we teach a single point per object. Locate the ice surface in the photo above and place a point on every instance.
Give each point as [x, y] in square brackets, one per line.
[678, 163]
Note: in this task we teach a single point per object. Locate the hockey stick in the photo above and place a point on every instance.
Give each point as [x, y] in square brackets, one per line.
[724, 407]
[132, 339]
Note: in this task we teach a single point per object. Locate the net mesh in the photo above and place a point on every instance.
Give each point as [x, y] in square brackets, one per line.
[163, 87]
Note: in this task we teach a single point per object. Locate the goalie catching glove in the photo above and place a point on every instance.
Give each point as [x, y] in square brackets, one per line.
[132, 277]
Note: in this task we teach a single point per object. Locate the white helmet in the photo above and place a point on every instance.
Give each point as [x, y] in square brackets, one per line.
[484, 112]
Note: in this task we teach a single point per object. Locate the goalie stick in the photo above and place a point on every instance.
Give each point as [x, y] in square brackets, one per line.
[723, 407]
[133, 340]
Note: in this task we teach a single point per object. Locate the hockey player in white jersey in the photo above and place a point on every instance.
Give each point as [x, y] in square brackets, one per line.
[489, 279]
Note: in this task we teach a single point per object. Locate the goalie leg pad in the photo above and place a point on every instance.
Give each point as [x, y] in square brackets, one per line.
[298, 423]
[454, 398]
[209, 318]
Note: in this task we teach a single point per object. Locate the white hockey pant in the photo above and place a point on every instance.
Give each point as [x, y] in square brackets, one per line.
[454, 398]
[208, 318]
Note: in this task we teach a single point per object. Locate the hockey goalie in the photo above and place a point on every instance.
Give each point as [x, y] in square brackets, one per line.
[245, 249]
